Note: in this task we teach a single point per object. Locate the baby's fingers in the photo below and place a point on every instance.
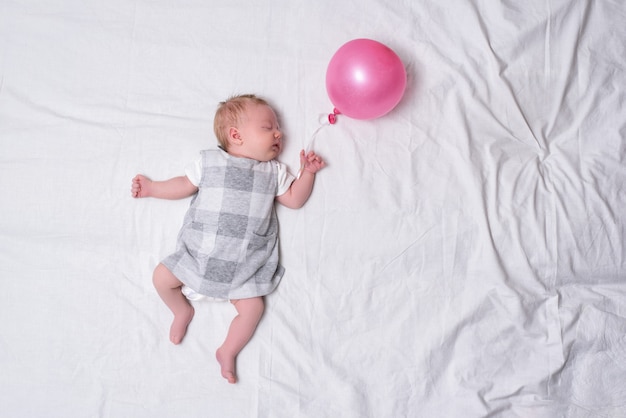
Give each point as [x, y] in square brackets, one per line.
[314, 158]
[136, 185]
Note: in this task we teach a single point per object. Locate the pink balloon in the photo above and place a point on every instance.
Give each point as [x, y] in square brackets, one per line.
[365, 79]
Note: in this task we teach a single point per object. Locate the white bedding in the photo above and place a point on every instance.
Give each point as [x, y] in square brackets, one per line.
[462, 256]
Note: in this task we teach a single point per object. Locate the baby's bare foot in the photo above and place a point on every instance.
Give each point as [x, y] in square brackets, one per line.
[179, 325]
[227, 364]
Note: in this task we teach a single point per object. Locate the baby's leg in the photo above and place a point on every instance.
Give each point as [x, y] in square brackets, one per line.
[169, 288]
[240, 331]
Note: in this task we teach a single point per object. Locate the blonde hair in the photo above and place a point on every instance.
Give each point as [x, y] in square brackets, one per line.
[229, 114]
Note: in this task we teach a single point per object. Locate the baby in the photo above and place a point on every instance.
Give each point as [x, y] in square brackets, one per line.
[228, 244]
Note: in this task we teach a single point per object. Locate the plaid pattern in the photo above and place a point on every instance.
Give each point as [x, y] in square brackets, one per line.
[228, 245]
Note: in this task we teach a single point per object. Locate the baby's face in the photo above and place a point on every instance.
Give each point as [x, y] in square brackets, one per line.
[260, 134]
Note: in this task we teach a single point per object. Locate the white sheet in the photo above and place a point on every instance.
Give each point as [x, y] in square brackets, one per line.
[463, 256]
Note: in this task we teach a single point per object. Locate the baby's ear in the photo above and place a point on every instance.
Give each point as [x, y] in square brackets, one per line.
[234, 138]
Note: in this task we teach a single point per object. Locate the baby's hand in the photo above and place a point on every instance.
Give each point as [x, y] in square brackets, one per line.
[311, 162]
[141, 186]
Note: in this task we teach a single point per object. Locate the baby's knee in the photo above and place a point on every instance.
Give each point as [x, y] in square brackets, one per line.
[259, 304]
[158, 274]
[163, 277]
[254, 306]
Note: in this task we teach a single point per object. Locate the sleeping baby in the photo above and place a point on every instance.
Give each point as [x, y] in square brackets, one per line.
[228, 244]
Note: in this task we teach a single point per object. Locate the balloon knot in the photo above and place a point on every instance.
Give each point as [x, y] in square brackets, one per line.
[332, 118]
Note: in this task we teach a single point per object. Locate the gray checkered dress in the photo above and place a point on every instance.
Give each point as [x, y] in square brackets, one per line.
[228, 245]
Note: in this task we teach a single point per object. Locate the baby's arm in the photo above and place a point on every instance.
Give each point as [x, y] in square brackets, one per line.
[300, 190]
[174, 188]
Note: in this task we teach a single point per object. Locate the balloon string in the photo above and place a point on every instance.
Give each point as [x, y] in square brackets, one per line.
[312, 141]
